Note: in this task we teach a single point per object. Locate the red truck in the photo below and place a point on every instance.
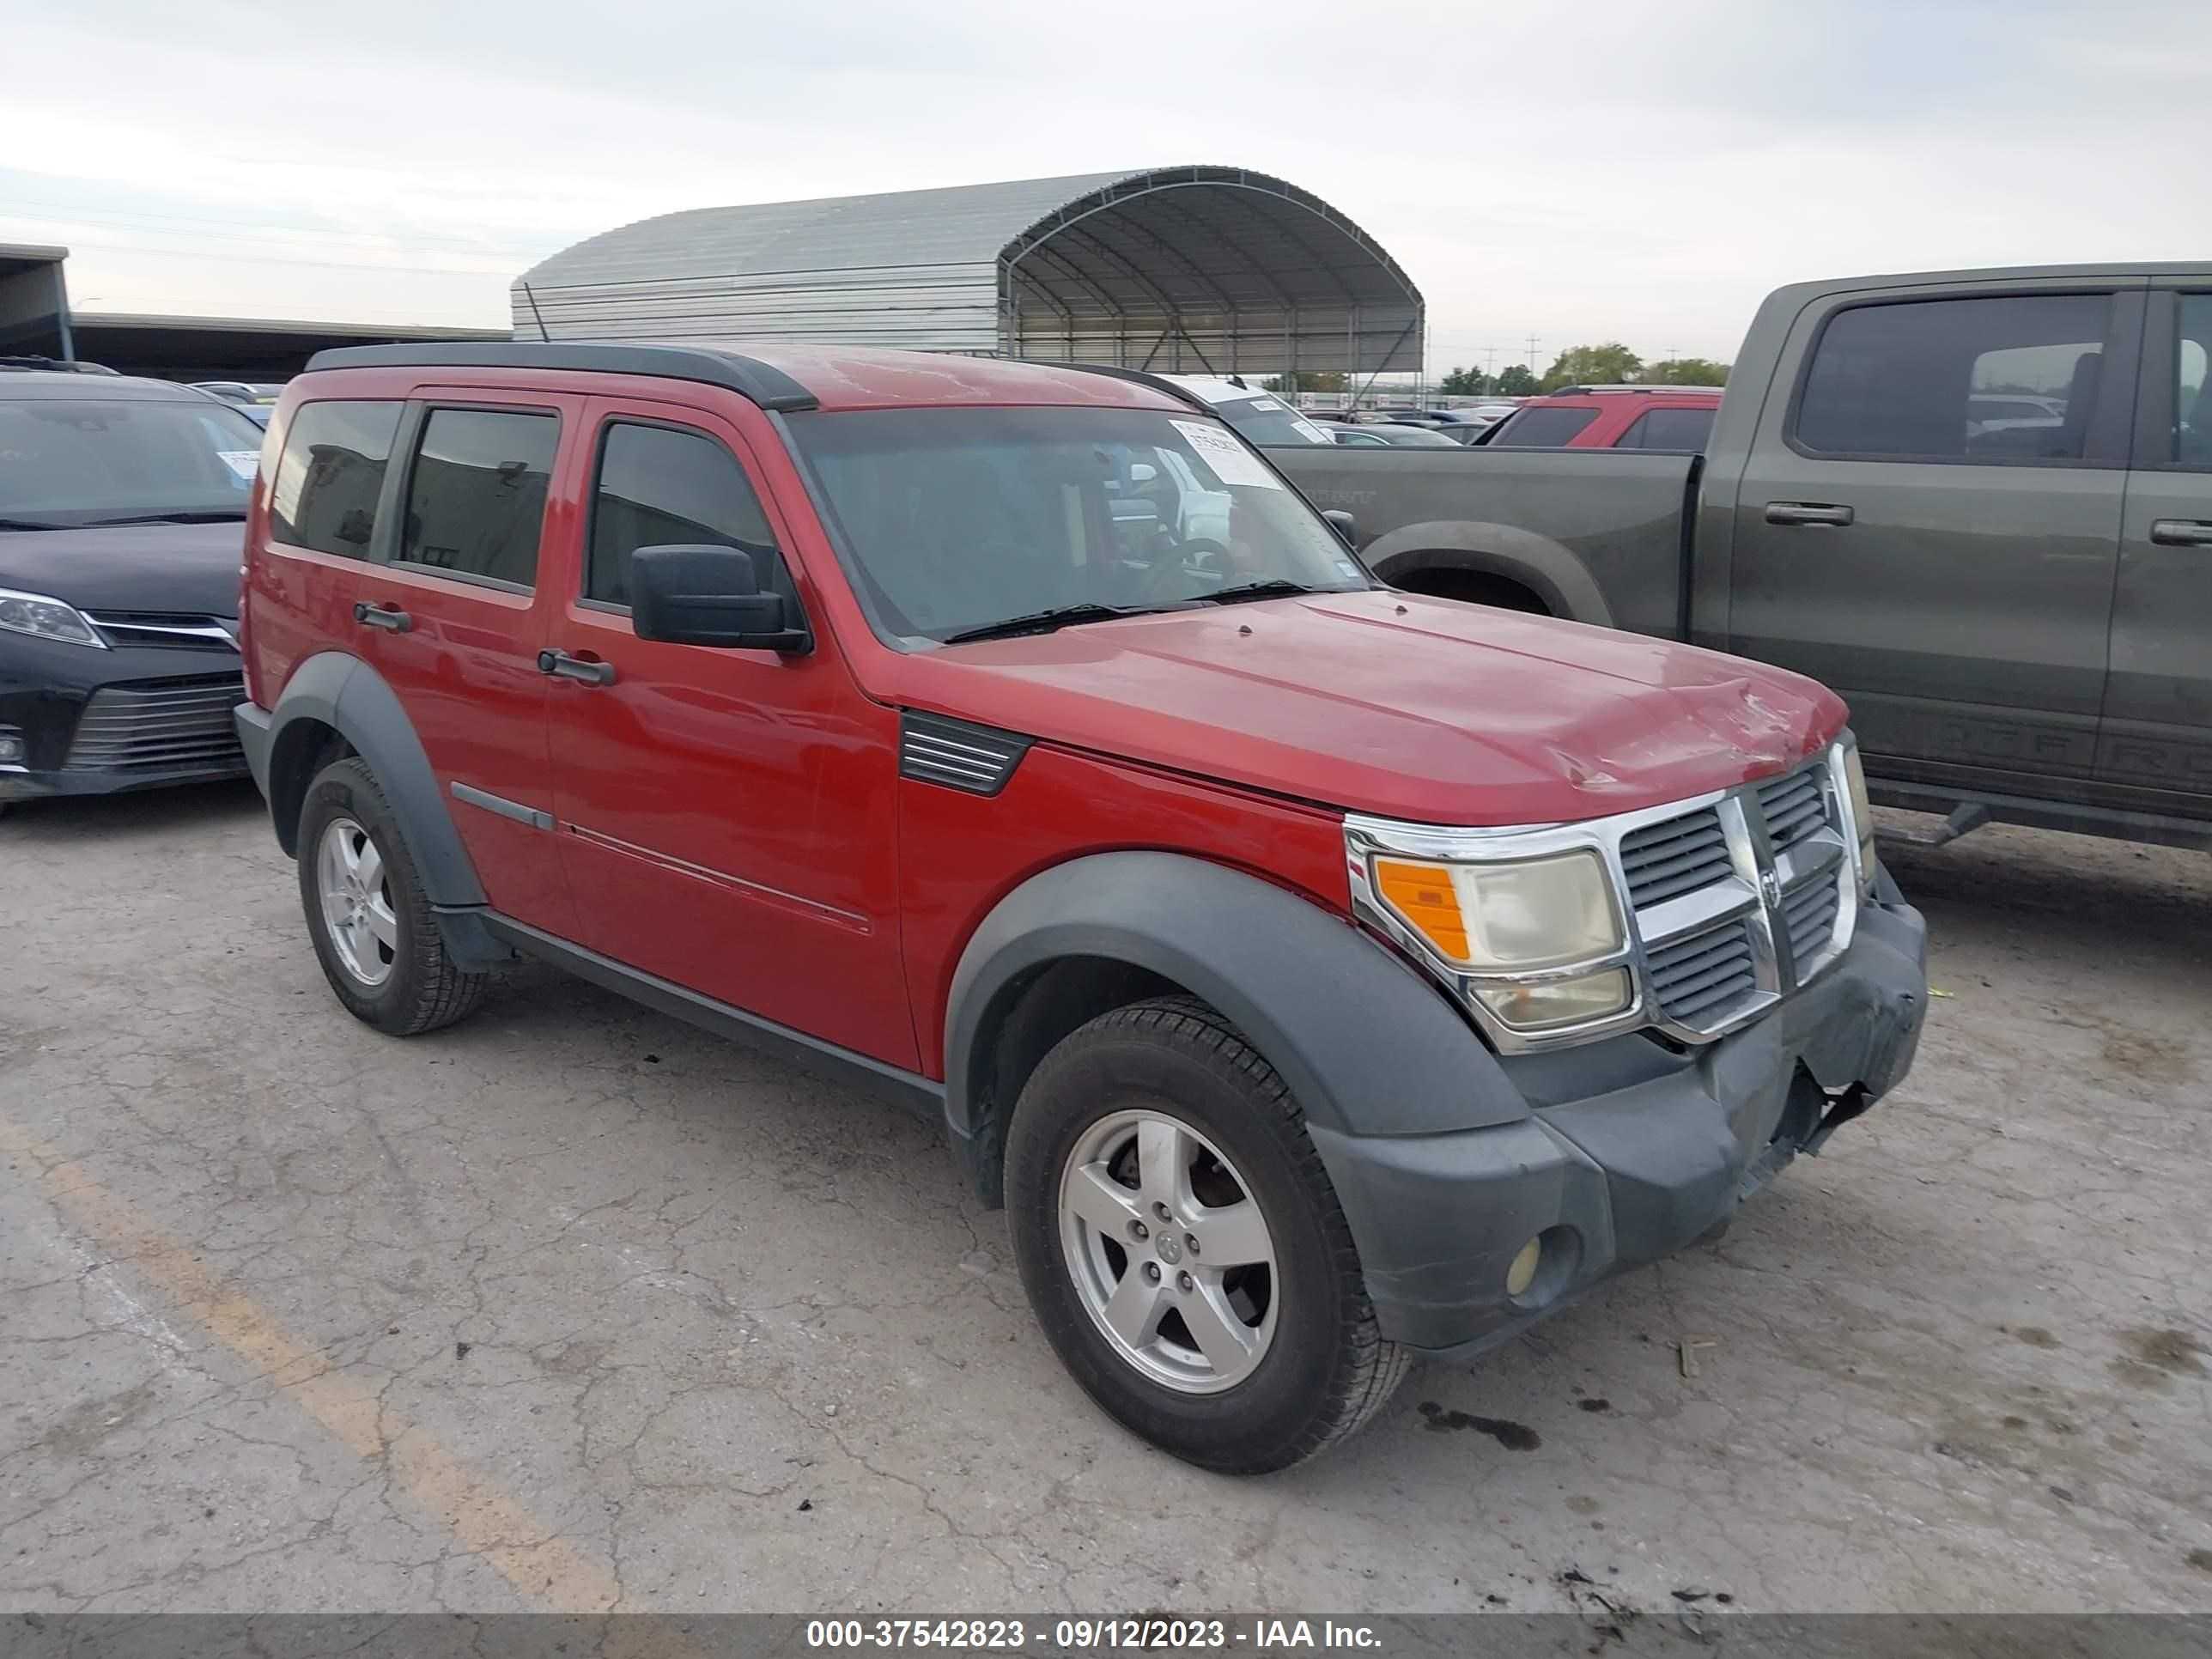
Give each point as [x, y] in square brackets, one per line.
[1321, 975]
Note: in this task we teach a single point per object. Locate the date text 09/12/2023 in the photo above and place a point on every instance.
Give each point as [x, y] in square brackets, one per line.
[1102, 1634]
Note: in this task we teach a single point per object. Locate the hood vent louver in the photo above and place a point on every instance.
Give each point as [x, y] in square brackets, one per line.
[977, 760]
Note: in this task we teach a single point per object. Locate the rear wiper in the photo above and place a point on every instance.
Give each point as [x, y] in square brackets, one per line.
[1274, 588]
[1043, 621]
[220, 516]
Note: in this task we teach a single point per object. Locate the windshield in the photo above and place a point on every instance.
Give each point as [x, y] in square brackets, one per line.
[72, 461]
[959, 518]
[1269, 421]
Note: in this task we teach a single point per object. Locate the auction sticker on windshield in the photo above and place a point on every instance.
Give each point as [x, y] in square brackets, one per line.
[1231, 462]
[241, 461]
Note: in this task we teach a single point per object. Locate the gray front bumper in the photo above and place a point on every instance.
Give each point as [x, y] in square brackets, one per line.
[1628, 1152]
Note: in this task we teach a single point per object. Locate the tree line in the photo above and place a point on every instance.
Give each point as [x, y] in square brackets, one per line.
[1609, 364]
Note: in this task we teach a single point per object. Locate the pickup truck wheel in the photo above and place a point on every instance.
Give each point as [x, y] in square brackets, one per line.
[370, 921]
[1182, 1245]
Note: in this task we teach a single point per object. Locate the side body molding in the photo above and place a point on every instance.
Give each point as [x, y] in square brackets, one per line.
[1367, 1046]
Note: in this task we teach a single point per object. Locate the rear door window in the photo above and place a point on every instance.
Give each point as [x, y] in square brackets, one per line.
[475, 495]
[1682, 430]
[1913, 381]
[323, 497]
[1543, 428]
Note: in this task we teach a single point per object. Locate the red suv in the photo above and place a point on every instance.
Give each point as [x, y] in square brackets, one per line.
[1675, 418]
[1321, 975]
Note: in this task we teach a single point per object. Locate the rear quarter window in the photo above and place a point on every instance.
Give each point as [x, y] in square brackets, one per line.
[1682, 430]
[330, 475]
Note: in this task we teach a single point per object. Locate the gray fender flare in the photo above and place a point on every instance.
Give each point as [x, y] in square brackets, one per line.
[1537, 563]
[347, 694]
[1366, 1045]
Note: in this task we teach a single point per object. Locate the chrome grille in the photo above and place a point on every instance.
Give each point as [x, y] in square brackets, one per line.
[1809, 916]
[1666, 861]
[1738, 900]
[1794, 807]
[164, 629]
[160, 725]
[1704, 974]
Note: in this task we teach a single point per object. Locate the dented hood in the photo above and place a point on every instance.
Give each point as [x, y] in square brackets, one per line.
[1396, 705]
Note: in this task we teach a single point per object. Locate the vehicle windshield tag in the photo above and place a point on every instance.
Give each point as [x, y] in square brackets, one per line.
[241, 461]
[1231, 462]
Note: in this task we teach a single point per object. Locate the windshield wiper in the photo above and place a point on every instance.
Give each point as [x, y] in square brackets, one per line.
[222, 515]
[27, 524]
[1043, 621]
[1274, 587]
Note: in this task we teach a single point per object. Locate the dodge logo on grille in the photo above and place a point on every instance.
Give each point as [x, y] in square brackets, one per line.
[1770, 887]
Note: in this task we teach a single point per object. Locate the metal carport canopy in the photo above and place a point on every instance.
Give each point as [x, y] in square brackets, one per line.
[1189, 268]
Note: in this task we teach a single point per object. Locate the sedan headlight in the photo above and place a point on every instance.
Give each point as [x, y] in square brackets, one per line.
[1538, 938]
[46, 619]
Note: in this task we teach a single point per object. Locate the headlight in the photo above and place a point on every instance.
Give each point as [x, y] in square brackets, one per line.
[46, 619]
[1862, 813]
[1513, 927]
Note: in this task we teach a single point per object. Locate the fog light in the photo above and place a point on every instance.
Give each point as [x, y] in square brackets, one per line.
[1546, 1003]
[12, 751]
[1523, 1273]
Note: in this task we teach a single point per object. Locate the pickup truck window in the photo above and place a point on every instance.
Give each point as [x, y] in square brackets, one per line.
[658, 485]
[952, 519]
[2192, 402]
[475, 496]
[2006, 379]
[1682, 429]
[1542, 428]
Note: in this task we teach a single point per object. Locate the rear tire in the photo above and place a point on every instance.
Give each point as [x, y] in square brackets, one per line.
[369, 918]
[1301, 1364]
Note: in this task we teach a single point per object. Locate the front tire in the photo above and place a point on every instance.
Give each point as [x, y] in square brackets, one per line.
[369, 918]
[1182, 1246]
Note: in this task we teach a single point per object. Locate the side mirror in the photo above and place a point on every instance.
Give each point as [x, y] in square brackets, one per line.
[1342, 523]
[1143, 472]
[693, 595]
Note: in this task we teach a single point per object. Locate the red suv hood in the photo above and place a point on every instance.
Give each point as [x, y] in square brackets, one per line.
[1394, 704]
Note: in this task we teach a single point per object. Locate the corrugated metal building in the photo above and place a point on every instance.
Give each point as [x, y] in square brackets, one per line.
[1189, 268]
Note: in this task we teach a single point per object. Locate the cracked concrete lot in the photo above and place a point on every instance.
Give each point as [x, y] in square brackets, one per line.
[572, 1306]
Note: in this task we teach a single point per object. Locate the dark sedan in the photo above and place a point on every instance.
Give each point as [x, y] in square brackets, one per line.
[122, 526]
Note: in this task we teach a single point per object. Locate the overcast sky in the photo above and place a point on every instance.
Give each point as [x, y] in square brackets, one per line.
[1602, 169]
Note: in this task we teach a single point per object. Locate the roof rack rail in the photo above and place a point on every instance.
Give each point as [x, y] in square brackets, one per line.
[1181, 394]
[749, 377]
[56, 365]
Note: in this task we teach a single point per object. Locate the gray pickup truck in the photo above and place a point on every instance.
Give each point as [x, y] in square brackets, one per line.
[1978, 504]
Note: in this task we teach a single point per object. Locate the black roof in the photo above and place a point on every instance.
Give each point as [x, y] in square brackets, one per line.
[20, 384]
[748, 377]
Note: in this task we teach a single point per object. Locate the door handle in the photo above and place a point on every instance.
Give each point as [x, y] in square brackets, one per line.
[389, 617]
[2181, 532]
[583, 669]
[1808, 513]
